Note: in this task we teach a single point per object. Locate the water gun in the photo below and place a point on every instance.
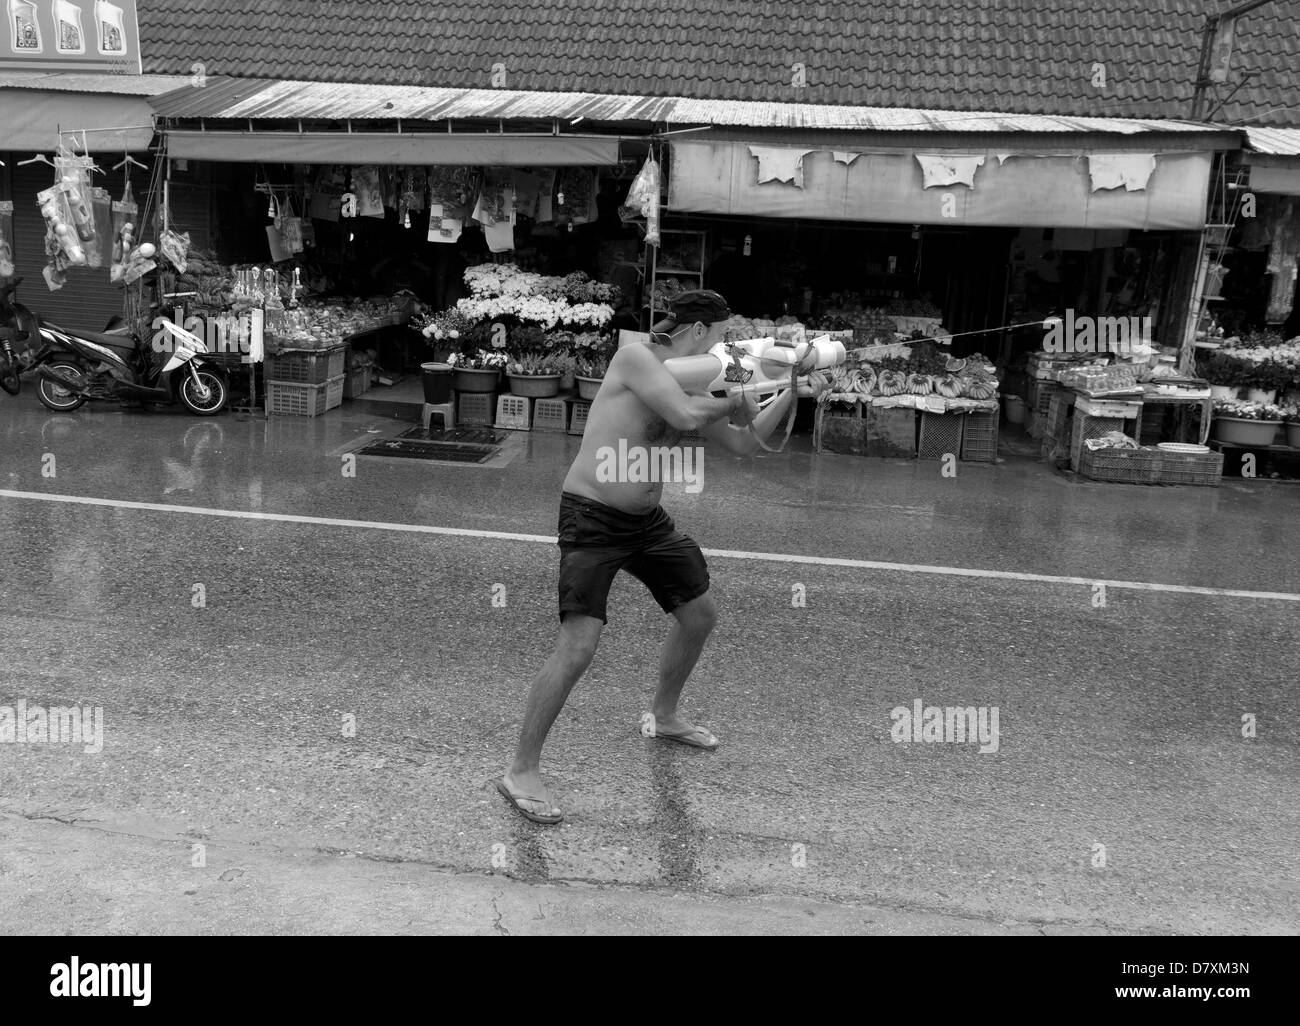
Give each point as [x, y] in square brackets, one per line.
[761, 367]
[764, 368]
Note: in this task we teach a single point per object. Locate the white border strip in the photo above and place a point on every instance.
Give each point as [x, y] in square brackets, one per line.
[761, 557]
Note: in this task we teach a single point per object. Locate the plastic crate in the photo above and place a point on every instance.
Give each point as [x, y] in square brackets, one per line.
[294, 399]
[356, 383]
[579, 423]
[550, 415]
[474, 408]
[514, 412]
[866, 430]
[1043, 395]
[1125, 409]
[1086, 427]
[940, 435]
[314, 368]
[979, 437]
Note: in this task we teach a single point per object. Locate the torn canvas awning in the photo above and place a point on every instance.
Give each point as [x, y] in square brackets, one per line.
[779, 164]
[1054, 190]
[946, 169]
[1112, 170]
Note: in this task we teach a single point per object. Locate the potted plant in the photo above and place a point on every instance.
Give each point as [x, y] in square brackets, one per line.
[1292, 417]
[535, 375]
[1245, 423]
[592, 353]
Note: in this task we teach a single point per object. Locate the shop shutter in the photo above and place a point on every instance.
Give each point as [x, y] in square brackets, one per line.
[191, 208]
[88, 300]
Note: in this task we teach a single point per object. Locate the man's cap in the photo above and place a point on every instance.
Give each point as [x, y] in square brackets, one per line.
[703, 305]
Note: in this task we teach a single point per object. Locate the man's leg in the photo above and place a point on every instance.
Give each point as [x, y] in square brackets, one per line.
[573, 653]
[693, 622]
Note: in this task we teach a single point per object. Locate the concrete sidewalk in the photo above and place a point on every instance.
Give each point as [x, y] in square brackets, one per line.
[58, 877]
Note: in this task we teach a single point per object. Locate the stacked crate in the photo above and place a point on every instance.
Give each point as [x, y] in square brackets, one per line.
[305, 383]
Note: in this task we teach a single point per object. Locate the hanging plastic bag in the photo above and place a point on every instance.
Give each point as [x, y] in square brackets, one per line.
[139, 263]
[643, 200]
[125, 215]
[61, 238]
[6, 238]
[290, 228]
[101, 209]
[175, 249]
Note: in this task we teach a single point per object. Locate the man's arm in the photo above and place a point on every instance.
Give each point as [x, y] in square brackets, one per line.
[637, 369]
[740, 440]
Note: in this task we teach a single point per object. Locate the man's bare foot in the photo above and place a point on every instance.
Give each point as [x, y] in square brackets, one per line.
[530, 797]
[674, 728]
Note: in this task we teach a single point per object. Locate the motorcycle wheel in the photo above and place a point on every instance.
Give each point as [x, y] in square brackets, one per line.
[54, 396]
[188, 393]
[9, 372]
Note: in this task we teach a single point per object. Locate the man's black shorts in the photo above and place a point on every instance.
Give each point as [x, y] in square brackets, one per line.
[597, 541]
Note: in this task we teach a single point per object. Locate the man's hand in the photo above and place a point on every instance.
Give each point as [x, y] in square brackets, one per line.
[744, 408]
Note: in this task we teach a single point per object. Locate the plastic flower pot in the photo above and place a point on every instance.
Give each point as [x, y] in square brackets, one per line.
[534, 386]
[1262, 395]
[470, 380]
[1293, 434]
[588, 387]
[1015, 409]
[1223, 391]
[1254, 434]
[437, 382]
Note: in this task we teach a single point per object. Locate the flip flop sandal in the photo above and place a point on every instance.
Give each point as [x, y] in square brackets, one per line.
[685, 739]
[514, 800]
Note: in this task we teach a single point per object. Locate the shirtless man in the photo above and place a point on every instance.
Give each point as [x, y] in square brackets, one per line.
[607, 526]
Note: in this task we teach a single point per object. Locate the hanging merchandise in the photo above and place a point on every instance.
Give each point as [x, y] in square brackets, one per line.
[139, 263]
[290, 228]
[576, 196]
[6, 238]
[369, 192]
[326, 194]
[496, 198]
[101, 208]
[308, 233]
[414, 184]
[643, 200]
[443, 228]
[175, 249]
[454, 188]
[125, 215]
[62, 241]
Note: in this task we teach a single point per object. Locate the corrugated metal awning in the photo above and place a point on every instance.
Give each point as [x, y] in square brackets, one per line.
[247, 98]
[1278, 142]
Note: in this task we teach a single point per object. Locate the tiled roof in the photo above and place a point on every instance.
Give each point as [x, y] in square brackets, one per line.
[1017, 56]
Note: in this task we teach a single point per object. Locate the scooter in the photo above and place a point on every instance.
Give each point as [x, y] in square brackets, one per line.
[116, 365]
[21, 347]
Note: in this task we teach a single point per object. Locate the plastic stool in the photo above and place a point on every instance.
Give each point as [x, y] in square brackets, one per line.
[446, 410]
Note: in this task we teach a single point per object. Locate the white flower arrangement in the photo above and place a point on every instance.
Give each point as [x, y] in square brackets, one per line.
[1246, 410]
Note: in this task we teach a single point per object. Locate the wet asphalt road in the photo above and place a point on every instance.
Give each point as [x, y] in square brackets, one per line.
[1120, 727]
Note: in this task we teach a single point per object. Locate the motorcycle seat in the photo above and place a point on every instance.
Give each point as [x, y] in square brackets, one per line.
[121, 342]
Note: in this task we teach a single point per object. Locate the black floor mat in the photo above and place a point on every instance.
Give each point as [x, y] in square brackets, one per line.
[460, 445]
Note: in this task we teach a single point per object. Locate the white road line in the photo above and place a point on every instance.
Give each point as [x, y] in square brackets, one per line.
[760, 557]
